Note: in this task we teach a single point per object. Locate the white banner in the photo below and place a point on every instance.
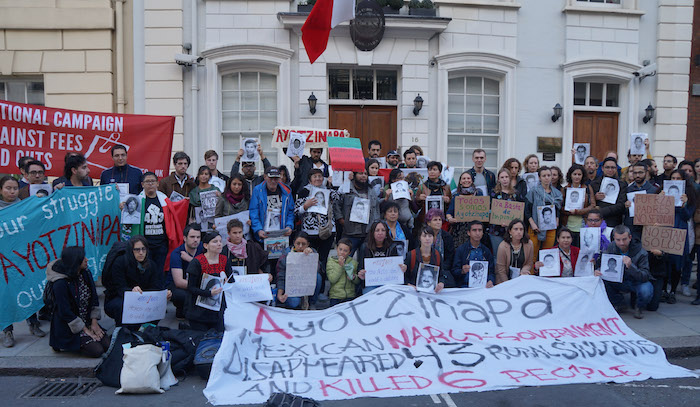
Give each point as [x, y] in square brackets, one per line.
[146, 307]
[395, 341]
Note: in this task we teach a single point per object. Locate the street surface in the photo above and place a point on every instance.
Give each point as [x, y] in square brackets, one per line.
[650, 393]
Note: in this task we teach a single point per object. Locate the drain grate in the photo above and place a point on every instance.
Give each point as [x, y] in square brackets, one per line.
[62, 388]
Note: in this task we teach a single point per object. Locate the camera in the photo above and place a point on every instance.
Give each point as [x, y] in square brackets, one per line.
[187, 59]
[649, 70]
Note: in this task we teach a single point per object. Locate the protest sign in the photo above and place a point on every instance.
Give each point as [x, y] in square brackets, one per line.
[399, 190]
[383, 270]
[47, 134]
[471, 207]
[146, 307]
[40, 190]
[35, 231]
[275, 246]
[529, 332]
[315, 138]
[249, 288]
[552, 266]
[503, 212]
[300, 278]
[668, 240]
[478, 273]
[611, 188]
[584, 265]
[221, 223]
[653, 209]
[434, 202]
[630, 197]
[209, 283]
[208, 200]
[637, 146]
[612, 267]
[675, 189]
[574, 198]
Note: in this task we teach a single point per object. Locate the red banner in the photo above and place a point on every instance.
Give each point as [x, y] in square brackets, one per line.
[47, 134]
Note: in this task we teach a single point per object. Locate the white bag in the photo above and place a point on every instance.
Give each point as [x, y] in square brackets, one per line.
[140, 371]
[167, 378]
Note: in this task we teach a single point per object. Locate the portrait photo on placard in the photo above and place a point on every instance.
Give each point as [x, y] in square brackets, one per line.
[590, 240]
[637, 146]
[422, 161]
[238, 270]
[478, 273]
[581, 151]
[575, 198]
[551, 267]
[359, 212]
[297, 141]
[273, 220]
[210, 282]
[44, 190]
[547, 217]
[434, 202]
[630, 197]
[250, 150]
[399, 190]
[427, 277]
[584, 265]
[676, 189]
[131, 214]
[401, 247]
[611, 188]
[176, 196]
[612, 267]
[532, 179]
[322, 197]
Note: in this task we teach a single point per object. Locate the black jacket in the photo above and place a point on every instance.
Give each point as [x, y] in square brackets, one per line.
[612, 213]
[66, 323]
[126, 275]
[301, 173]
[194, 282]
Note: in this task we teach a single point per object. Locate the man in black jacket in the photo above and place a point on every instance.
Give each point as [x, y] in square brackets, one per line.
[612, 212]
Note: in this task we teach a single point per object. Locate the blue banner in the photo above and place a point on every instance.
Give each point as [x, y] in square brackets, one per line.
[33, 233]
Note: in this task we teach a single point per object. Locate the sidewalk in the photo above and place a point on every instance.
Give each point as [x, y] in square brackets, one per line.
[675, 327]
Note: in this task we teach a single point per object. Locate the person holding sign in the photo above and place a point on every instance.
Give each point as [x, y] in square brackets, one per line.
[300, 245]
[459, 230]
[242, 253]
[248, 167]
[639, 185]
[215, 264]
[568, 254]
[342, 274]
[122, 172]
[74, 326]
[636, 271]
[505, 191]
[179, 181]
[35, 171]
[378, 244]
[541, 195]
[515, 253]
[235, 199]
[303, 167]
[133, 271]
[472, 250]
[573, 219]
[203, 177]
[344, 208]
[612, 212]
[271, 199]
[406, 205]
[390, 215]
[424, 254]
[433, 186]
[313, 223]
[444, 243]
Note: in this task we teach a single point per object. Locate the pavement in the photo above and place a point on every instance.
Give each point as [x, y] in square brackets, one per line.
[676, 328]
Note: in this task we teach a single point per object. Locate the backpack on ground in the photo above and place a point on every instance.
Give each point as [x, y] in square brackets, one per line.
[206, 350]
[117, 250]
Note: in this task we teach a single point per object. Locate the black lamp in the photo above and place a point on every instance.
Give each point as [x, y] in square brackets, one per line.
[557, 112]
[312, 103]
[417, 104]
[649, 113]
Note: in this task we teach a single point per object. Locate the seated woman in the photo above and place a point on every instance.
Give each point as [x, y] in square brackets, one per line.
[242, 253]
[425, 254]
[206, 304]
[568, 254]
[390, 215]
[515, 253]
[134, 271]
[342, 273]
[300, 245]
[74, 326]
[443, 240]
[378, 244]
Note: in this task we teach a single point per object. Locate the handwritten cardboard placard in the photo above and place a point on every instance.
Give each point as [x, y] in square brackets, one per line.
[300, 279]
[655, 210]
[471, 207]
[383, 270]
[146, 307]
[503, 212]
[668, 240]
[250, 288]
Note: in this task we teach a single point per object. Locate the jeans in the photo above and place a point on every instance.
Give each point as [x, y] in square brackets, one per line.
[295, 302]
[644, 292]
[178, 299]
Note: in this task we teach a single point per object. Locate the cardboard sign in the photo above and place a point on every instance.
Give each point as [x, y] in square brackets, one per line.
[471, 207]
[146, 307]
[503, 212]
[668, 240]
[300, 279]
[383, 270]
[652, 209]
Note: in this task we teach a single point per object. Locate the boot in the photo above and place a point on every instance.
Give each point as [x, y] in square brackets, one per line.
[35, 330]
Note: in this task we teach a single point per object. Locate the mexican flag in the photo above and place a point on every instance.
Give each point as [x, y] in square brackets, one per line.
[325, 15]
[346, 154]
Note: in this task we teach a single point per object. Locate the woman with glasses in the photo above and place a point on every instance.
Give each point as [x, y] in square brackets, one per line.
[133, 271]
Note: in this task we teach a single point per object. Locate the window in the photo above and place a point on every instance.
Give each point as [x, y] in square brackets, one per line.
[473, 121]
[362, 84]
[594, 93]
[600, 1]
[22, 91]
[248, 109]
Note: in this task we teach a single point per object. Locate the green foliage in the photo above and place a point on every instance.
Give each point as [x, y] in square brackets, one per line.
[414, 4]
[382, 3]
[427, 4]
[395, 4]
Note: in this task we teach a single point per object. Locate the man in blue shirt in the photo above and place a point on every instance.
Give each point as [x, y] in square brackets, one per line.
[472, 250]
[180, 258]
[271, 207]
[122, 173]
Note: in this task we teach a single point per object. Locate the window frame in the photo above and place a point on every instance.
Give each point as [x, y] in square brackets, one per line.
[26, 81]
[374, 100]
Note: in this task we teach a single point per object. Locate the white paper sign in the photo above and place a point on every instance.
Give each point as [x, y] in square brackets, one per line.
[675, 189]
[297, 141]
[612, 267]
[590, 240]
[212, 303]
[359, 212]
[611, 189]
[581, 151]
[42, 190]
[322, 197]
[427, 278]
[547, 217]
[383, 270]
[219, 183]
[176, 196]
[434, 202]
[584, 265]
[300, 276]
[250, 150]
[147, 307]
[532, 179]
[131, 214]
[514, 272]
[223, 221]
[399, 190]
[123, 191]
[552, 266]
[630, 197]
[637, 146]
[575, 198]
[249, 288]
[478, 274]
[208, 199]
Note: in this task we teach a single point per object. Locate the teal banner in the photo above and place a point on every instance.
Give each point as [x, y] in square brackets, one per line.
[33, 233]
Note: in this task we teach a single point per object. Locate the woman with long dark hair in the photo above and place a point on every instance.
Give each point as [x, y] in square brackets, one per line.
[542, 194]
[378, 244]
[515, 256]
[573, 220]
[505, 191]
[236, 197]
[683, 214]
[465, 186]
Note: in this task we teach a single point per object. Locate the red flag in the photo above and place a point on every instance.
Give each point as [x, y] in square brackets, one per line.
[325, 15]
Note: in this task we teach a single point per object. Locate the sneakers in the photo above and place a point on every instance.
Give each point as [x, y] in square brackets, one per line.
[671, 298]
[685, 290]
[638, 313]
[9, 340]
[35, 330]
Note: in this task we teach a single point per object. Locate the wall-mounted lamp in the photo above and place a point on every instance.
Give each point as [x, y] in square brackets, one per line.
[312, 103]
[417, 104]
[557, 112]
[648, 113]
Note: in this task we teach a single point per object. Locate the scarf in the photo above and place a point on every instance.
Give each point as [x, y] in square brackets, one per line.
[238, 250]
[233, 199]
[439, 244]
[5, 204]
[435, 186]
[466, 191]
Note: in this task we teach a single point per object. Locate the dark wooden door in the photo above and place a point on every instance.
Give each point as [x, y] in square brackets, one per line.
[597, 128]
[366, 123]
